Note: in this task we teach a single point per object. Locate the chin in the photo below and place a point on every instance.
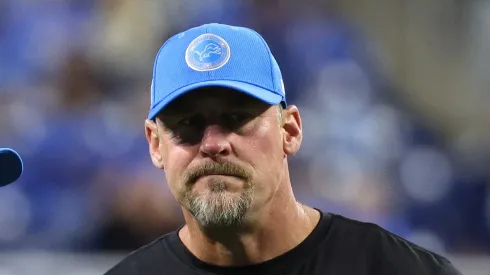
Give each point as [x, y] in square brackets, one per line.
[220, 208]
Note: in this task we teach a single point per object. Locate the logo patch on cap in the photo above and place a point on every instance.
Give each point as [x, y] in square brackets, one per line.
[207, 52]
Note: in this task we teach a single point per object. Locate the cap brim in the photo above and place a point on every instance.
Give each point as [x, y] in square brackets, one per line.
[11, 166]
[260, 93]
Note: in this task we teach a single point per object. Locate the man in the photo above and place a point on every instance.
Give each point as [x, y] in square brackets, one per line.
[10, 166]
[220, 127]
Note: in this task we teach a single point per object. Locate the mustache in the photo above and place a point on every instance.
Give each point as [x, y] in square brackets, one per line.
[215, 168]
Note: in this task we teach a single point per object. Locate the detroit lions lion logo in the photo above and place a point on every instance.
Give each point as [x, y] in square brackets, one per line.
[207, 52]
[210, 48]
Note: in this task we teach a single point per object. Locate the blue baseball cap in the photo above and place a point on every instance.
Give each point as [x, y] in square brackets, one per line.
[215, 55]
[11, 166]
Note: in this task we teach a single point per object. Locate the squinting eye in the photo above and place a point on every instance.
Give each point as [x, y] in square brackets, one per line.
[238, 117]
[192, 121]
[185, 122]
[234, 120]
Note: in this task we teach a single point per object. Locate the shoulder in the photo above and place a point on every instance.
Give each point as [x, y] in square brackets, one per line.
[390, 253]
[149, 257]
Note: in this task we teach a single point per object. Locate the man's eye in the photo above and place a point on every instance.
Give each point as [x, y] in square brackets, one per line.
[192, 121]
[239, 117]
[185, 122]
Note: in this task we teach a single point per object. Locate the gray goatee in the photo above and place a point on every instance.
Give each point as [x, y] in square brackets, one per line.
[217, 207]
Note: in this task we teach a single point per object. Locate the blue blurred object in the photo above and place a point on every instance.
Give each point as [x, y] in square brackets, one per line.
[11, 166]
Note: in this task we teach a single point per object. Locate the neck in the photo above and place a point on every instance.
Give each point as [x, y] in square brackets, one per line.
[278, 227]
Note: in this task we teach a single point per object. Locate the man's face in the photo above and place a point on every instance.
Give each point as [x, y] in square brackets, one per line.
[222, 152]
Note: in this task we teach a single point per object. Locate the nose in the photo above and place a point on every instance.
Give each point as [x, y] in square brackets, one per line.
[215, 142]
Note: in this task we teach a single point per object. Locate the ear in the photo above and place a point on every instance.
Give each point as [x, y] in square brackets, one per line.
[293, 131]
[151, 132]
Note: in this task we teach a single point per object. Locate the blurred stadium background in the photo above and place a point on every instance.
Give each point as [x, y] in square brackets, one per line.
[394, 97]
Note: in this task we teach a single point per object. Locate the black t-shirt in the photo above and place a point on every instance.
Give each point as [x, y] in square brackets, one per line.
[336, 246]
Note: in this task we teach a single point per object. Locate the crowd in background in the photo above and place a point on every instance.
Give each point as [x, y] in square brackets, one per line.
[74, 94]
